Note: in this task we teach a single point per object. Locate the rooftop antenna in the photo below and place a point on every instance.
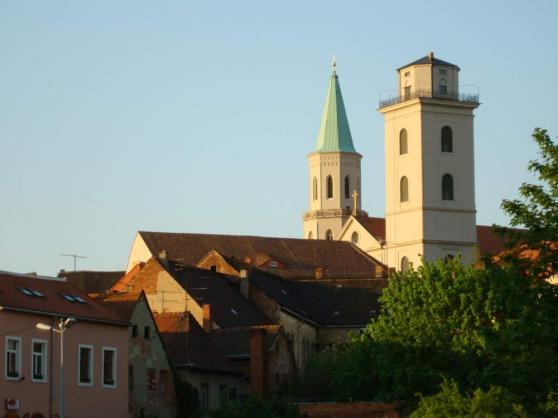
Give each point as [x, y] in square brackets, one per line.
[75, 256]
[333, 63]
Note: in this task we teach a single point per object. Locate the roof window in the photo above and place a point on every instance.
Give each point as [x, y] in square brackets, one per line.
[234, 311]
[73, 298]
[30, 292]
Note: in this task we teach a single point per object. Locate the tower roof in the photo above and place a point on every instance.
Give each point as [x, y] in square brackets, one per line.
[429, 59]
[334, 134]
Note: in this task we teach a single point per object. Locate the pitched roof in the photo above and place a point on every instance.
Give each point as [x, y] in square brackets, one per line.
[187, 345]
[298, 258]
[92, 281]
[334, 134]
[235, 342]
[318, 302]
[429, 59]
[52, 297]
[229, 308]
[123, 304]
[490, 242]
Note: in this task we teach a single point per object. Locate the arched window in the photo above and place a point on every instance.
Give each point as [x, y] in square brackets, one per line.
[354, 238]
[329, 187]
[315, 188]
[447, 187]
[404, 189]
[347, 187]
[329, 235]
[403, 142]
[310, 235]
[404, 264]
[447, 139]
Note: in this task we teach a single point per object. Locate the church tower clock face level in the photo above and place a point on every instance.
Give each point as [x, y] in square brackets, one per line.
[334, 170]
[429, 156]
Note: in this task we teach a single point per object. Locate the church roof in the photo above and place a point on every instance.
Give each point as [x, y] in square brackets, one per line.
[334, 134]
[429, 59]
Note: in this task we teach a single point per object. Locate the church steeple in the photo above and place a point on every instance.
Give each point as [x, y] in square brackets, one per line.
[334, 134]
[334, 167]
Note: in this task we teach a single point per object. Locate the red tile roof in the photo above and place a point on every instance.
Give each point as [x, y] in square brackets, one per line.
[46, 295]
[297, 258]
[92, 281]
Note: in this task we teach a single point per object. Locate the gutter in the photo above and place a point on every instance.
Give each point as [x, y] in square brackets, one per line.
[58, 314]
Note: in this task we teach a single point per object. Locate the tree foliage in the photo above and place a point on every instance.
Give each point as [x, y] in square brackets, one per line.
[537, 210]
[257, 406]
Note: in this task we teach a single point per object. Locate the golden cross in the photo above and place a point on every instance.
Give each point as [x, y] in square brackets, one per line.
[355, 196]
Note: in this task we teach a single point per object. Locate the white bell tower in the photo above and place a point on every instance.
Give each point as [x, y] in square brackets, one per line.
[429, 155]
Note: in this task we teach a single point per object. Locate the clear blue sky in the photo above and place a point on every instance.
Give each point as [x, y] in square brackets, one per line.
[117, 116]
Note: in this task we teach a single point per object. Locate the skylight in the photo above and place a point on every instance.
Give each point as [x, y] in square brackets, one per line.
[30, 292]
[234, 311]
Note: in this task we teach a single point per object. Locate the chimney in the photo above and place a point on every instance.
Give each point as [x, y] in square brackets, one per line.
[319, 272]
[207, 317]
[163, 258]
[258, 361]
[431, 56]
[245, 283]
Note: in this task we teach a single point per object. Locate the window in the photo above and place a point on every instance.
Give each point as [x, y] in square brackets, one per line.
[447, 139]
[329, 187]
[404, 189]
[354, 238]
[407, 91]
[13, 358]
[38, 360]
[223, 395]
[443, 89]
[146, 332]
[134, 330]
[447, 187]
[310, 235]
[442, 71]
[329, 235]
[233, 393]
[109, 367]
[151, 380]
[315, 188]
[407, 73]
[347, 187]
[403, 142]
[85, 365]
[130, 378]
[404, 264]
[163, 382]
[204, 395]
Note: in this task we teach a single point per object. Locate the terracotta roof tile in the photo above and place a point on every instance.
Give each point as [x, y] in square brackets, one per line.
[48, 297]
[92, 281]
[297, 258]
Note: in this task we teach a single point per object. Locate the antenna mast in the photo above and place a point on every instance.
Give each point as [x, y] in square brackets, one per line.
[75, 256]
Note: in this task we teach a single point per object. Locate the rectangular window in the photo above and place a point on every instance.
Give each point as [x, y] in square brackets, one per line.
[407, 92]
[134, 331]
[163, 382]
[204, 395]
[443, 89]
[130, 378]
[442, 71]
[151, 380]
[109, 367]
[39, 360]
[85, 365]
[13, 358]
[146, 333]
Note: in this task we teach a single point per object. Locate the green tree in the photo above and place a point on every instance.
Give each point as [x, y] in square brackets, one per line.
[537, 210]
[449, 402]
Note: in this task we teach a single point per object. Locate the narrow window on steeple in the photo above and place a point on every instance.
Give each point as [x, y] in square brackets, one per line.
[447, 187]
[404, 189]
[447, 139]
[329, 235]
[315, 188]
[310, 235]
[404, 264]
[403, 142]
[347, 187]
[329, 187]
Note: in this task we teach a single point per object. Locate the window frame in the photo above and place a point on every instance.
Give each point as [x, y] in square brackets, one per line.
[403, 139]
[347, 187]
[44, 356]
[446, 142]
[404, 197]
[17, 357]
[114, 369]
[449, 193]
[329, 235]
[91, 349]
[329, 187]
[355, 237]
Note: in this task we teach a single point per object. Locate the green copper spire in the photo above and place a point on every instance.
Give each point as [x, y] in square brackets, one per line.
[334, 135]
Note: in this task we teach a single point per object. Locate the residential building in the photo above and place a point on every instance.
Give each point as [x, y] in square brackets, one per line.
[150, 373]
[95, 355]
[92, 282]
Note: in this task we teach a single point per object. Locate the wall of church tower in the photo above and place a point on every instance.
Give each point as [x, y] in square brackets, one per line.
[430, 184]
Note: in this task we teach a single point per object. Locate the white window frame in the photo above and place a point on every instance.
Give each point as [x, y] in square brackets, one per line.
[44, 355]
[18, 357]
[92, 360]
[113, 349]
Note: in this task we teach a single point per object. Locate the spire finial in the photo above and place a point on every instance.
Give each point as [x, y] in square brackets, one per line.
[333, 63]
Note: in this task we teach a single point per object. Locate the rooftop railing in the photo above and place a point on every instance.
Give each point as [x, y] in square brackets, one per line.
[430, 94]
